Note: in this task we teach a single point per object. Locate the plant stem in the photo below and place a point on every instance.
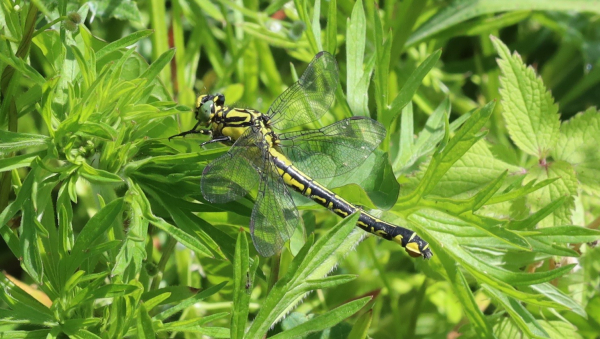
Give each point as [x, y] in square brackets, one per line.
[13, 116]
[274, 276]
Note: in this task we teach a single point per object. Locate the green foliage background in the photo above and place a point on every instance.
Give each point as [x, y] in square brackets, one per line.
[493, 162]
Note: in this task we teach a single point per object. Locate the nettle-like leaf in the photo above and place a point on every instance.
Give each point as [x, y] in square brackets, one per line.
[528, 107]
[578, 145]
[532, 120]
[565, 186]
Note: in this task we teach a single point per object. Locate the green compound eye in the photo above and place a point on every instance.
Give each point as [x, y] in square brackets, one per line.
[205, 110]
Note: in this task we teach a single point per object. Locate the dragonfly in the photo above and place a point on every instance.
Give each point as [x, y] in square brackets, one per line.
[265, 160]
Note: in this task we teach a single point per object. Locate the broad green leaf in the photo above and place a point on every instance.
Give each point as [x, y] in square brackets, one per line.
[470, 173]
[526, 322]
[375, 177]
[528, 107]
[565, 186]
[578, 145]
[324, 321]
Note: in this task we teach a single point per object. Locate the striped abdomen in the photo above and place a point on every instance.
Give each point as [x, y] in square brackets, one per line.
[300, 182]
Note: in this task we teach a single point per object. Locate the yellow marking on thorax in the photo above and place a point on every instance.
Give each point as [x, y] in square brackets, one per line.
[233, 132]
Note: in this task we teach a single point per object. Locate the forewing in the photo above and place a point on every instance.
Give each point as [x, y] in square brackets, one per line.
[274, 217]
[310, 97]
[231, 176]
[334, 149]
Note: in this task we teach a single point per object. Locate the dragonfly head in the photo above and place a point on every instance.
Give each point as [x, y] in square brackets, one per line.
[207, 105]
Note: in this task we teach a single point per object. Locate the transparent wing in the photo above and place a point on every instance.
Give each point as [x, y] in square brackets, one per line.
[334, 149]
[310, 97]
[274, 216]
[234, 174]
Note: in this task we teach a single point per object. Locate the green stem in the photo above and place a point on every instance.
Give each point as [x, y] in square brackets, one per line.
[414, 315]
[166, 254]
[13, 116]
[48, 25]
[274, 276]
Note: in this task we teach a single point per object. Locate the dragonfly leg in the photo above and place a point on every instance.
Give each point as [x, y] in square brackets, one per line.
[222, 138]
[192, 131]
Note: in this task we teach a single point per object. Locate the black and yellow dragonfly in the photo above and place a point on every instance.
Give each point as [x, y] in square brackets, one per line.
[273, 162]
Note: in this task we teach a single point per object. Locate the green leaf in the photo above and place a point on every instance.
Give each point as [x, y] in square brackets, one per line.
[326, 320]
[526, 322]
[123, 43]
[578, 145]
[375, 177]
[460, 11]
[154, 70]
[122, 10]
[529, 110]
[18, 161]
[97, 226]
[145, 329]
[97, 129]
[469, 174]
[189, 301]
[32, 260]
[463, 140]
[98, 176]
[554, 294]
[23, 68]
[565, 186]
[356, 86]
[108, 291]
[22, 304]
[410, 88]
[312, 262]
[360, 329]
[133, 252]
[332, 27]
[242, 286]
[12, 142]
[197, 326]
